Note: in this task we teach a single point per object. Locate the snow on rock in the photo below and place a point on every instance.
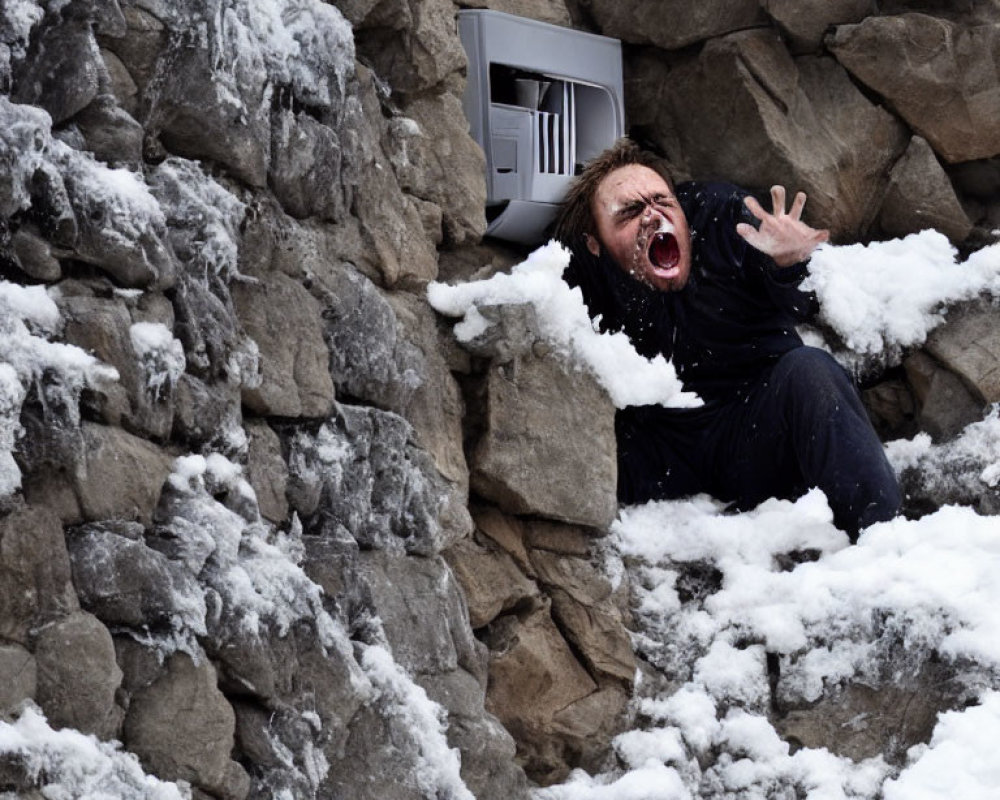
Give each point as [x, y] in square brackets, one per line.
[305, 766]
[564, 321]
[67, 765]
[960, 760]
[24, 136]
[250, 574]
[714, 592]
[303, 43]
[204, 220]
[965, 470]
[11, 399]
[121, 228]
[17, 18]
[106, 216]
[885, 296]
[306, 45]
[161, 355]
[436, 770]
[376, 486]
[28, 359]
[203, 217]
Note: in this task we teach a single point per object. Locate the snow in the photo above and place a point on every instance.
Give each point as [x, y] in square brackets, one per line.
[960, 760]
[29, 318]
[886, 296]
[436, 771]
[67, 765]
[119, 198]
[17, 18]
[251, 574]
[308, 765]
[306, 45]
[161, 355]
[928, 582]
[24, 138]
[204, 217]
[964, 468]
[302, 41]
[564, 322]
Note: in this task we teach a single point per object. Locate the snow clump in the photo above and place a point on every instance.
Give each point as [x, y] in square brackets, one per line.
[564, 321]
[964, 470]
[886, 296]
[67, 765]
[786, 583]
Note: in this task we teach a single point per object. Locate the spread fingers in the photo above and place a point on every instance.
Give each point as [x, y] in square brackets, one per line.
[795, 212]
[754, 207]
[778, 200]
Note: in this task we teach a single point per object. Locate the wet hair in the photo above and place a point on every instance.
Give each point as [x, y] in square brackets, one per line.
[576, 216]
[617, 300]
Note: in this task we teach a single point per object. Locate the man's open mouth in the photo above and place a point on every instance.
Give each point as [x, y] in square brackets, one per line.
[664, 252]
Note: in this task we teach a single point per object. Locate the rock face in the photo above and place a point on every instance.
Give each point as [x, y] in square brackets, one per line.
[560, 658]
[920, 196]
[262, 520]
[766, 103]
[805, 23]
[524, 433]
[943, 79]
[670, 24]
[968, 345]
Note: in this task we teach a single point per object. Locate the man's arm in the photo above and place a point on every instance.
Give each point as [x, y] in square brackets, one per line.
[782, 236]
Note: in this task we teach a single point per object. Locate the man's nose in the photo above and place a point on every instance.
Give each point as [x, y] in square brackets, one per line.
[652, 215]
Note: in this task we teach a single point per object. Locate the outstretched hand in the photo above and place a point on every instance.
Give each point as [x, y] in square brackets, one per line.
[782, 236]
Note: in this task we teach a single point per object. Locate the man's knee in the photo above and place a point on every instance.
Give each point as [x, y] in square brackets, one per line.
[812, 381]
[811, 365]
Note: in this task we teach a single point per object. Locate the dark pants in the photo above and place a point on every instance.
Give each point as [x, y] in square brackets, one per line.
[802, 425]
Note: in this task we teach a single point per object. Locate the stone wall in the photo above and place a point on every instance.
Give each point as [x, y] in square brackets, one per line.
[258, 507]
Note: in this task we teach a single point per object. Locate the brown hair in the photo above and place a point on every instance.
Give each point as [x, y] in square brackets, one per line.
[576, 216]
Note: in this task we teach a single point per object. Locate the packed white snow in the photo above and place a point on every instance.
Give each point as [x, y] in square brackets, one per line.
[885, 296]
[564, 322]
[929, 582]
[68, 765]
[959, 762]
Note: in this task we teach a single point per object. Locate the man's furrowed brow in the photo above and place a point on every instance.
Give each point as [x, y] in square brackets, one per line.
[630, 209]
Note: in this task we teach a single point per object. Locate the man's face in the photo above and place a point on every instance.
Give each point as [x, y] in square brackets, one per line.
[641, 225]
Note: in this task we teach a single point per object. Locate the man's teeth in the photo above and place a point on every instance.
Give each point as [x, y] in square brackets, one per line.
[665, 227]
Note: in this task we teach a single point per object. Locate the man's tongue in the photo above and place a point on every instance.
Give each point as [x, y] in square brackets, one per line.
[664, 252]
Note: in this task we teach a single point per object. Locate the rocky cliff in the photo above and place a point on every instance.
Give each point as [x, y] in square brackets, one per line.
[265, 523]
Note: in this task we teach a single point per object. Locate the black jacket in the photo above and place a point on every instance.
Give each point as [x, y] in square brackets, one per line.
[736, 315]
